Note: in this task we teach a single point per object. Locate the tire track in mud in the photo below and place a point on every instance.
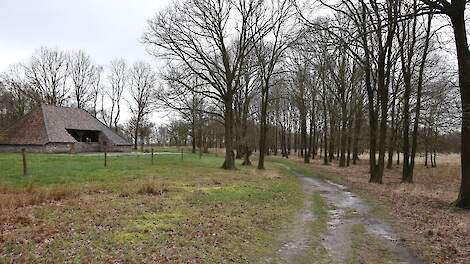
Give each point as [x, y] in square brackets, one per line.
[345, 210]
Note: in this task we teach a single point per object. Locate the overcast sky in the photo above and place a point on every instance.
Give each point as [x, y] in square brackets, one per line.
[105, 29]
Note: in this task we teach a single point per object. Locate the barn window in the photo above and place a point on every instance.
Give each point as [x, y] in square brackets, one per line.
[88, 136]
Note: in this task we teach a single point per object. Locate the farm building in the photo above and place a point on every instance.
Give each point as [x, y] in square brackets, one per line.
[61, 130]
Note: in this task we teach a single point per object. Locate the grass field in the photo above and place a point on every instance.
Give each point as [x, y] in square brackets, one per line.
[72, 208]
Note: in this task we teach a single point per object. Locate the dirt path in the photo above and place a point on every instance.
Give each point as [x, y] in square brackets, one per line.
[352, 234]
[297, 240]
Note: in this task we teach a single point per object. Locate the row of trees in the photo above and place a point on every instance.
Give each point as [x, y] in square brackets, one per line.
[328, 79]
[361, 75]
[61, 78]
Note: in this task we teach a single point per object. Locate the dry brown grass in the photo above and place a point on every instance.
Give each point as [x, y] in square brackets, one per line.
[19, 197]
[439, 232]
[14, 197]
[152, 187]
[199, 214]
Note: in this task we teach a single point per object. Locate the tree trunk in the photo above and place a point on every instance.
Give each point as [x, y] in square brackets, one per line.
[370, 97]
[136, 134]
[303, 131]
[193, 136]
[463, 57]
[310, 139]
[414, 144]
[407, 176]
[372, 134]
[391, 142]
[331, 151]
[383, 98]
[275, 146]
[357, 131]
[326, 159]
[426, 156]
[262, 136]
[325, 130]
[349, 143]
[321, 147]
[229, 163]
[344, 136]
[313, 132]
[247, 161]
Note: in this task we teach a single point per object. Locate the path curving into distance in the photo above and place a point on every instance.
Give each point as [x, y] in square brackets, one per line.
[352, 234]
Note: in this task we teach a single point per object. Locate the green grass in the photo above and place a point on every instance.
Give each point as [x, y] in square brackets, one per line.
[368, 249]
[171, 149]
[316, 252]
[70, 208]
[44, 169]
[132, 211]
[320, 210]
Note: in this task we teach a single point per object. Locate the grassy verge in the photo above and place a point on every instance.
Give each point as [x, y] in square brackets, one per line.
[367, 248]
[131, 211]
[316, 252]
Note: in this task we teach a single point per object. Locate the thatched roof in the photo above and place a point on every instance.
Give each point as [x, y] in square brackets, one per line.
[49, 124]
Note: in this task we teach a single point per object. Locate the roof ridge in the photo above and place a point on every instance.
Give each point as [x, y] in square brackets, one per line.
[59, 107]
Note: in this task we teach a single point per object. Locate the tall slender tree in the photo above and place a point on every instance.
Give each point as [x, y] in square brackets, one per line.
[142, 90]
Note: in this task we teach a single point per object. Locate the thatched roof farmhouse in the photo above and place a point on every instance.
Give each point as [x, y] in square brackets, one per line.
[61, 129]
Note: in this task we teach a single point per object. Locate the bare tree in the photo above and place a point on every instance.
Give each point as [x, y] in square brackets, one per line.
[118, 81]
[299, 90]
[455, 10]
[211, 38]
[368, 37]
[181, 94]
[96, 89]
[243, 104]
[269, 52]
[81, 73]
[413, 63]
[16, 96]
[142, 91]
[47, 73]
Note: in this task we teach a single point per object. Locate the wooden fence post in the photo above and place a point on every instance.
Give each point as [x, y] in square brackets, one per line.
[182, 151]
[152, 156]
[105, 156]
[25, 166]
